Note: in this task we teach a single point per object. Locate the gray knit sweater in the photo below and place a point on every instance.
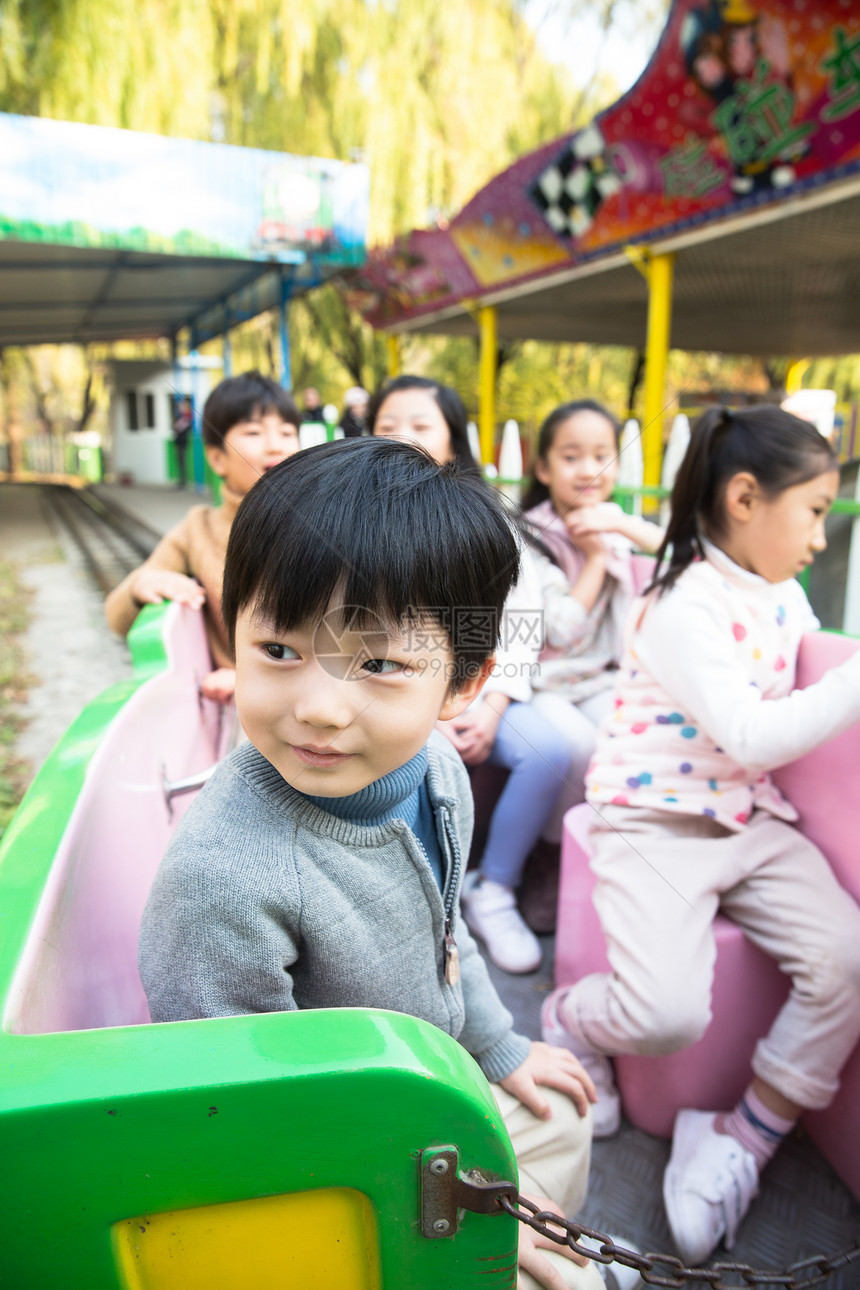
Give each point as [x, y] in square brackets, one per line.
[265, 903]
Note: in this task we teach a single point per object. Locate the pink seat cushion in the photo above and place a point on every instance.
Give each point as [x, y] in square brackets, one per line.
[711, 1073]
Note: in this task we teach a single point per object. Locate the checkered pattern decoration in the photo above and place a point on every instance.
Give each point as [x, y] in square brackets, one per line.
[570, 191]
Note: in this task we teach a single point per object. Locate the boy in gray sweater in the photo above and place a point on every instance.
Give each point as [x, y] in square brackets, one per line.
[321, 865]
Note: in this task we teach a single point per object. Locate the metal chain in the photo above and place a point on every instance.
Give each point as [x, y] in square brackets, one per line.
[799, 1276]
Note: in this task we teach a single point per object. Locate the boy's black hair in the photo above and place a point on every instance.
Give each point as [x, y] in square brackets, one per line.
[449, 403]
[240, 398]
[376, 526]
[538, 492]
[777, 448]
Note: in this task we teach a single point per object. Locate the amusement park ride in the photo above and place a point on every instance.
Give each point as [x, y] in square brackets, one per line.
[301, 1148]
[249, 1152]
[307, 1148]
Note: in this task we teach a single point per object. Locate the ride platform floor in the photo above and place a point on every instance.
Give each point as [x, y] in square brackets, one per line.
[803, 1208]
[65, 606]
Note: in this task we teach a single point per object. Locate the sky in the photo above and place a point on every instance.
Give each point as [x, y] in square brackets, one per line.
[581, 44]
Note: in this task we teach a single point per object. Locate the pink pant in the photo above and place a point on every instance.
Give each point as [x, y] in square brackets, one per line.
[661, 878]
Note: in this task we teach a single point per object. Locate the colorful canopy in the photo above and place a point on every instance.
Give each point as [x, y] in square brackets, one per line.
[738, 147]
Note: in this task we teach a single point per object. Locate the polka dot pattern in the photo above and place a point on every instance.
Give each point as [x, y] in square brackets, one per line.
[660, 755]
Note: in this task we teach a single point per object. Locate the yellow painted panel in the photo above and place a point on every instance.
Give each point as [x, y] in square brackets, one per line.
[393, 347]
[488, 372]
[794, 376]
[656, 353]
[323, 1239]
[502, 251]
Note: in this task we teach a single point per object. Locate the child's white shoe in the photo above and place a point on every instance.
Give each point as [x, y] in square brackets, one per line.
[708, 1186]
[490, 911]
[616, 1276]
[606, 1113]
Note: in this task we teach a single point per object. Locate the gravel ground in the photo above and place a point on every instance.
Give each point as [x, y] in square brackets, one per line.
[70, 651]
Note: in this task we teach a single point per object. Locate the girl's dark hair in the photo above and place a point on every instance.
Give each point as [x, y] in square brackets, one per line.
[776, 447]
[377, 527]
[536, 491]
[450, 405]
[239, 398]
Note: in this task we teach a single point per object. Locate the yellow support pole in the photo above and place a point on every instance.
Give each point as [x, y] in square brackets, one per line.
[487, 410]
[659, 274]
[392, 344]
[794, 376]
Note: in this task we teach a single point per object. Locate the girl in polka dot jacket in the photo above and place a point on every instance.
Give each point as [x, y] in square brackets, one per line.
[688, 822]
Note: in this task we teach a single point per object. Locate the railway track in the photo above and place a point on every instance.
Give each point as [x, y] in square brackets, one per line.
[110, 539]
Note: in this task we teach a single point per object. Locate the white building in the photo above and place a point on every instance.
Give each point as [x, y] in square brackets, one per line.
[142, 412]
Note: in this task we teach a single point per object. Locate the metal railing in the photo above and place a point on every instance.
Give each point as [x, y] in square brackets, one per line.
[626, 495]
[53, 456]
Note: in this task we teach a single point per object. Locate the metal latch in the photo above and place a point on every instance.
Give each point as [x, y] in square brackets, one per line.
[191, 783]
[444, 1191]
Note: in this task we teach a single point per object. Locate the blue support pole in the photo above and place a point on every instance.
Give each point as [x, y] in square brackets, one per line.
[283, 320]
[226, 347]
[174, 404]
[198, 456]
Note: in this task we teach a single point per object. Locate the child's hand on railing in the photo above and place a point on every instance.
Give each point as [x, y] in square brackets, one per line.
[152, 586]
[219, 685]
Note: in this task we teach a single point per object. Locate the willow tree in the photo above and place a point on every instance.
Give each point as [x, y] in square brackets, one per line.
[138, 64]
[436, 97]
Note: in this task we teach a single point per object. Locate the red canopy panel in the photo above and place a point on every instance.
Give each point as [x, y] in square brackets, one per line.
[739, 146]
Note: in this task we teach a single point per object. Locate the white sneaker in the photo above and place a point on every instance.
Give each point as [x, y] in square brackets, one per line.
[490, 911]
[707, 1187]
[616, 1276]
[606, 1112]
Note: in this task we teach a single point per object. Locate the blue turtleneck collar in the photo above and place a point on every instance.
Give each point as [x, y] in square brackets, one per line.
[402, 793]
[378, 801]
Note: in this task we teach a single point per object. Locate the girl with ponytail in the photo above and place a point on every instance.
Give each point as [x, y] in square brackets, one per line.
[687, 821]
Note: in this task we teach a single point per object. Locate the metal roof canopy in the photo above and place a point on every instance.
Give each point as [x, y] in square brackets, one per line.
[53, 294]
[781, 280]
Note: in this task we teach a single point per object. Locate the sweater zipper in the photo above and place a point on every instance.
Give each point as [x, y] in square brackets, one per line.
[451, 954]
